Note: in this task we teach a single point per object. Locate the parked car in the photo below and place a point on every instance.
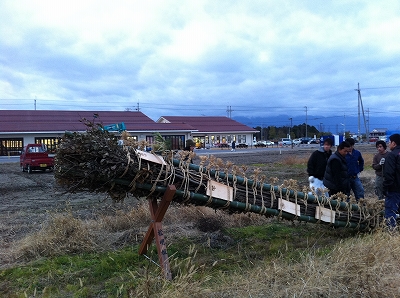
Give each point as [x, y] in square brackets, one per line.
[242, 145]
[305, 140]
[296, 142]
[313, 141]
[285, 142]
[269, 143]
[260, 144]
[35, 157]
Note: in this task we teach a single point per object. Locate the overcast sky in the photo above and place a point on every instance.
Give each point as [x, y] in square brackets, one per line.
[260, 58]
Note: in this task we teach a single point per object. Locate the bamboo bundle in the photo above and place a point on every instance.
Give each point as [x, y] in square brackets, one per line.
[95, 162]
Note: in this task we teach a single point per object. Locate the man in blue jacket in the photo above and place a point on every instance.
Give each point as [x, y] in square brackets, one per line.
[355, 165]
[391, 180]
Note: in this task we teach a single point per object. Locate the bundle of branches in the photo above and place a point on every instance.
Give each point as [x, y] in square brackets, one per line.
[91, 161]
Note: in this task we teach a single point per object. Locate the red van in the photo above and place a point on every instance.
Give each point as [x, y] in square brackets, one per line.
[35, 157]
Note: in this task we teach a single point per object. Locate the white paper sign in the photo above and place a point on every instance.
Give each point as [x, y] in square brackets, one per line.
[325, 214]
[219, 190]
[289, 207]
[151, 157]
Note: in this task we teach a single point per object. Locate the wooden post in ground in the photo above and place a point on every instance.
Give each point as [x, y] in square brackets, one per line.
[157, 212]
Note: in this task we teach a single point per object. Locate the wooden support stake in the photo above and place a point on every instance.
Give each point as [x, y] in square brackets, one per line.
[157, 212]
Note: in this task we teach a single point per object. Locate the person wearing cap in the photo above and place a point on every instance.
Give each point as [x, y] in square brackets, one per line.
[391, 180]
[355, 165]
[316, 166]
[378, 164]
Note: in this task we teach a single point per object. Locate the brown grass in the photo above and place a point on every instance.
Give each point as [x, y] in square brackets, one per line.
[366, 266]
[368, 157]
[189, 280]
[65, 233]
[294, 160]
[363, 266]
[123, 220]
[62, 234]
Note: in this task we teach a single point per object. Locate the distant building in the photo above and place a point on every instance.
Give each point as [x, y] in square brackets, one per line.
[214, 130]
[377, 134]
[21, 127]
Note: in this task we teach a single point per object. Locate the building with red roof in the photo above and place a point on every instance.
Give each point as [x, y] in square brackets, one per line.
[213, 130]
[21, 127]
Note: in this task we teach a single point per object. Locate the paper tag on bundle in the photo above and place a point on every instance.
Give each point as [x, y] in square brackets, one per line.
[151, 157]
[325, 214]
[219, 190]
[288, 207]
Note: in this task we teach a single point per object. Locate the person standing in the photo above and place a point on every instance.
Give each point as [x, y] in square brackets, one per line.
[391, 180]
[188, 150]
[233, 145]
[355, 165]
[316, 166]
[378, 164]
[336, 178]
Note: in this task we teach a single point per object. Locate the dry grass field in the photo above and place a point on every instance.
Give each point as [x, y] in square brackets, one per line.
[56, 244]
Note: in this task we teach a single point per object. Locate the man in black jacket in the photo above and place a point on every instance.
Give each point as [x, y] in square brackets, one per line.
[336, 177]
[316, 165]
[391, 180]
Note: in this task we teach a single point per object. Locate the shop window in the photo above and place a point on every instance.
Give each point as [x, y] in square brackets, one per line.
[51, 143]
[173, 142]
[11, 147]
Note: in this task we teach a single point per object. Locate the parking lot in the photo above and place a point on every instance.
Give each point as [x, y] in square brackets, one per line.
[251, 149]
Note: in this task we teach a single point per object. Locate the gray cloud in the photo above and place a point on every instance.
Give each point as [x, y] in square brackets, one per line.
[258, 57]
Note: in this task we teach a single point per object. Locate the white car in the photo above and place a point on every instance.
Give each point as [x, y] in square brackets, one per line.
[296, 142]
[285, 142]
[269, 143]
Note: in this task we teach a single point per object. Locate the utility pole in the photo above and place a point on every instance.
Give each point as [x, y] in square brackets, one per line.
[361, 109]
[290, 137]
[306, 121]
[358, 132]
[229, 111]
[35, 104]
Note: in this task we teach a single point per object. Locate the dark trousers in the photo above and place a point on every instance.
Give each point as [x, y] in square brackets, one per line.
[392, 203]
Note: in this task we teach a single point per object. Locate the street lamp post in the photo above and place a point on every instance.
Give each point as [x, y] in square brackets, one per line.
[344, 130]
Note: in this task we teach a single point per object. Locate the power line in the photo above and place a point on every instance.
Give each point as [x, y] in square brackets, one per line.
[389, 87]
